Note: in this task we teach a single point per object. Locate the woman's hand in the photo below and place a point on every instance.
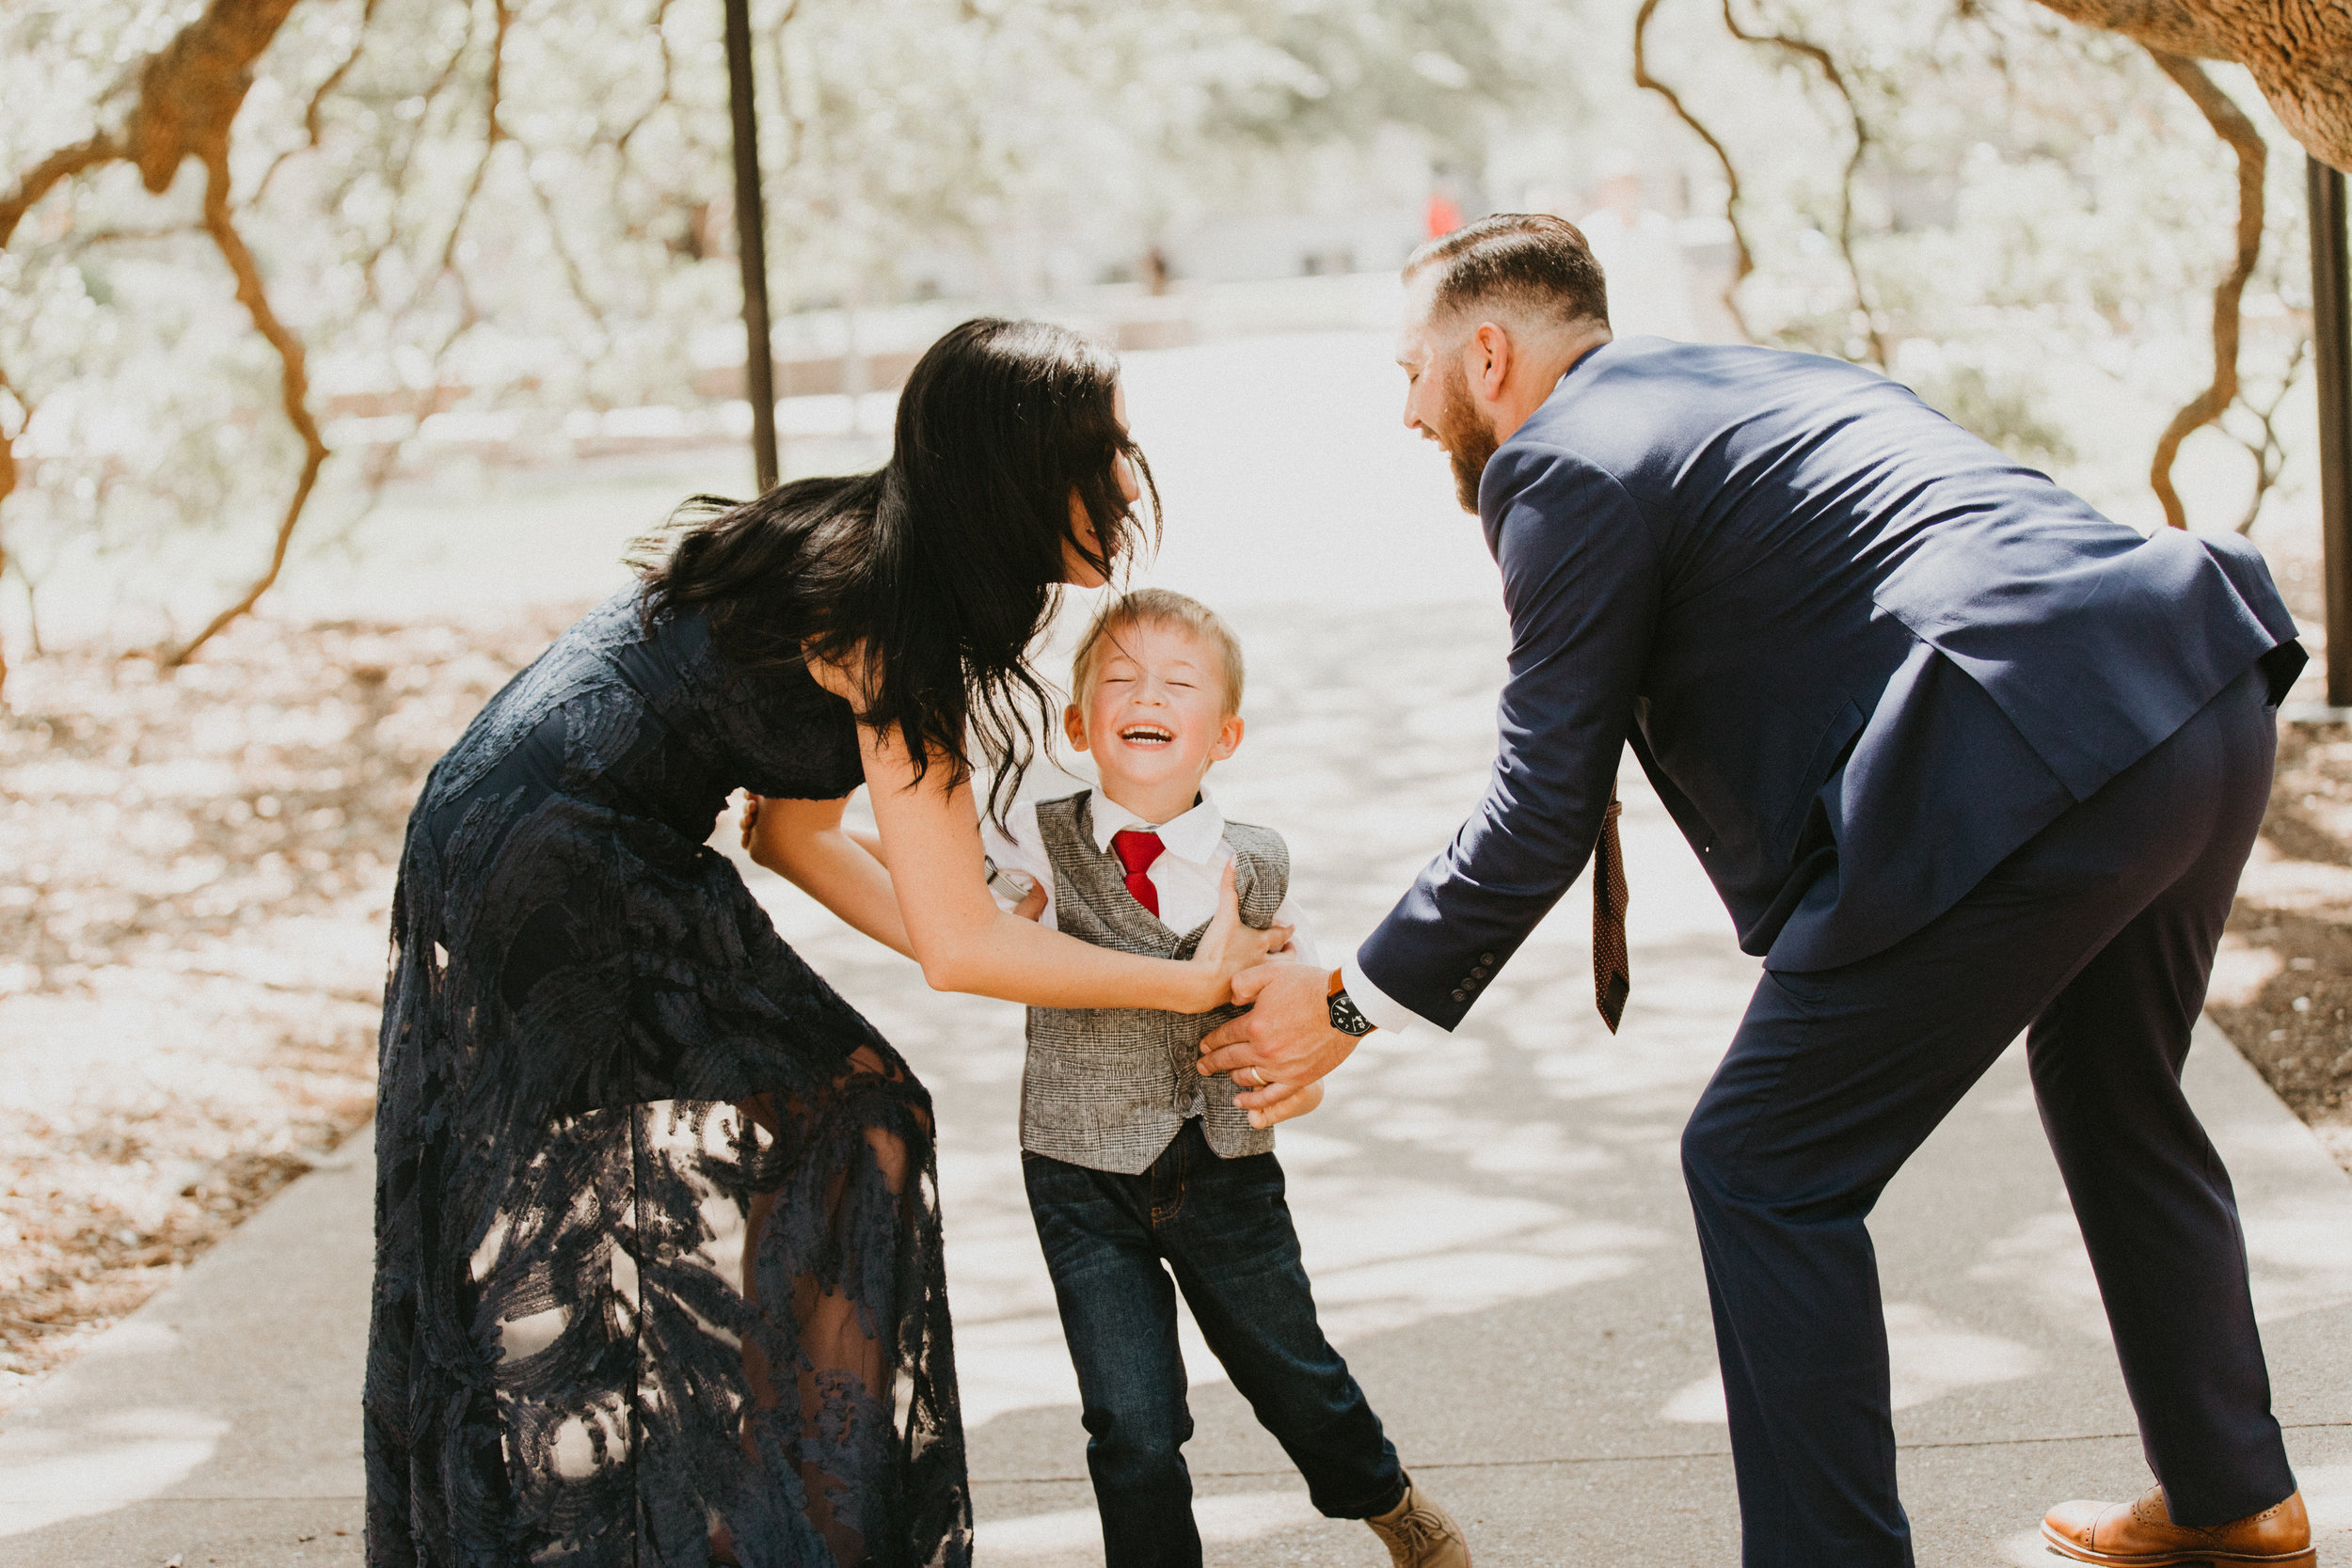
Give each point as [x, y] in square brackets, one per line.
[1227, 947]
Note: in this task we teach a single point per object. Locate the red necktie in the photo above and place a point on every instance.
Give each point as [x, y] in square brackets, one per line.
[1136, 850]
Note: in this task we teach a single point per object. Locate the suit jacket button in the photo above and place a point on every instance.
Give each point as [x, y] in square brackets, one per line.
[1461, 996]
[1479, 974]
[1486, 958]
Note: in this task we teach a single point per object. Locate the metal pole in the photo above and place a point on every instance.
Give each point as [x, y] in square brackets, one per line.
[2331, 319]
[759, 364]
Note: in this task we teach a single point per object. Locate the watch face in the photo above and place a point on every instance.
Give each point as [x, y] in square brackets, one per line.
[1345, 1018]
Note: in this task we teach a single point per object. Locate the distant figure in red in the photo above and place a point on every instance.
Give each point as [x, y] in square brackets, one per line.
[1444, 214]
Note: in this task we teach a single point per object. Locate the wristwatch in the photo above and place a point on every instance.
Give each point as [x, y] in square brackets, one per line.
[1345, 1016]
[1016, 885]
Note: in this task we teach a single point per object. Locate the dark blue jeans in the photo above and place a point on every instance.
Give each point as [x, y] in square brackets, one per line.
[1222, 1228]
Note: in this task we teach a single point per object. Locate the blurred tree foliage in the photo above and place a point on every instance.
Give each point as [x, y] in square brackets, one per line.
[521, 204]
[2039, 225]
[517, 209]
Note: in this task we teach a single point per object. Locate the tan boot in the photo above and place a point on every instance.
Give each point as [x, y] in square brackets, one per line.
[1419, 1534]
[2142, 1535]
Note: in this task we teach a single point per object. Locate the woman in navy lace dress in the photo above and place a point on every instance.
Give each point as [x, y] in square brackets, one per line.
[658, 1252]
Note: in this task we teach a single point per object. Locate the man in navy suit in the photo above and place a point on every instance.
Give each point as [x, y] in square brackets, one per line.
[1964, 759]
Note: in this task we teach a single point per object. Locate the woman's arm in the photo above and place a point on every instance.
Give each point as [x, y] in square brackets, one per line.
[930, 837]
[805, 843]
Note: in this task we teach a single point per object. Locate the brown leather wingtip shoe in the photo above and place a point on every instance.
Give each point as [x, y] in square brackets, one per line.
[2142, 1535]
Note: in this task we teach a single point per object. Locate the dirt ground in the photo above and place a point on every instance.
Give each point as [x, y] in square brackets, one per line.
[195, 876]
[2283, 988]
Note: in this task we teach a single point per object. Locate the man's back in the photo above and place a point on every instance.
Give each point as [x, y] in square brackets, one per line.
[1861, 653]
[1821, 537]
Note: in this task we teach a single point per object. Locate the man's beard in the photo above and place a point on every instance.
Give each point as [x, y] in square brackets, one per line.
[1468, 441]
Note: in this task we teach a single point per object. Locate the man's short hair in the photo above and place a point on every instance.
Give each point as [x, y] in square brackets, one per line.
[1154, 607]
[1531, 263]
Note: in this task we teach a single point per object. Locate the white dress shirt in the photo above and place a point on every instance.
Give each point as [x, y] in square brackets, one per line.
[1187, 876]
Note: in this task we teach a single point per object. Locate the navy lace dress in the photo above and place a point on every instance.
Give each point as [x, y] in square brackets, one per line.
[658, 1252]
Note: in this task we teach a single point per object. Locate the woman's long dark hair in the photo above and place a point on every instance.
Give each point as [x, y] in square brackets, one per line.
[934, 574]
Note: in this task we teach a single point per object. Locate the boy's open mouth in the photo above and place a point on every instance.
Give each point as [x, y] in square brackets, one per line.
[1147, 735]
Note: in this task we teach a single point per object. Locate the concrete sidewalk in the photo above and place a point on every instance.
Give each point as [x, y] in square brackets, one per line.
[220, 1423]
[1495, 1222]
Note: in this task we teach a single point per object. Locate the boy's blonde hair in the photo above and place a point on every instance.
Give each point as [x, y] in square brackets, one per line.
[1154, 607]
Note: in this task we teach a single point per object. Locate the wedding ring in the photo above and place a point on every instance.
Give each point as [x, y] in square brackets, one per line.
[1260, 1076]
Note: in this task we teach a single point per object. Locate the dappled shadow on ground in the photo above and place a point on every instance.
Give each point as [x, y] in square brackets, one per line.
[195, 874]
[1494, 1219]
[189, 1014]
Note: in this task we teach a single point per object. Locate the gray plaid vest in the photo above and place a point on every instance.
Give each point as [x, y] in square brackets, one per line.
[1108, 1087]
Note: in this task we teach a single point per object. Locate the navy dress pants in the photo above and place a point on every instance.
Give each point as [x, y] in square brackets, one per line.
[2095, 937]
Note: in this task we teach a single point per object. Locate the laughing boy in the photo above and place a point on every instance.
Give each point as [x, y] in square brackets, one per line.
[1136, 1167]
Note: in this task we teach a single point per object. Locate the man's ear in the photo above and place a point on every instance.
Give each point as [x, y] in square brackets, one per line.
[1228, 738]
[1074, 724]
[1489, 356]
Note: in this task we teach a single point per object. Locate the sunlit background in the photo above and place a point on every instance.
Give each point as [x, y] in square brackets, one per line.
[501, 237]
[497, 238]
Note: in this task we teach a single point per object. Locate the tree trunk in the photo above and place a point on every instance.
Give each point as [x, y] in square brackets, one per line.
[2300, 52]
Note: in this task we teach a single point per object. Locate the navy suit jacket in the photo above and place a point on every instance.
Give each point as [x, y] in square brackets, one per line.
[1861, 653]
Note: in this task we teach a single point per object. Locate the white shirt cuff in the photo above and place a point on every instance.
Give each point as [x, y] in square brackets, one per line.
[1384, 1011]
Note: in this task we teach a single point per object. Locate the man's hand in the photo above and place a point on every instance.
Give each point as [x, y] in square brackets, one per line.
[1282, 1044]
[1296, 1103]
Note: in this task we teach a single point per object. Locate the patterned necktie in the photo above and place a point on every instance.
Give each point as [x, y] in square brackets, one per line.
[1613, 977]
[1137, 850]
